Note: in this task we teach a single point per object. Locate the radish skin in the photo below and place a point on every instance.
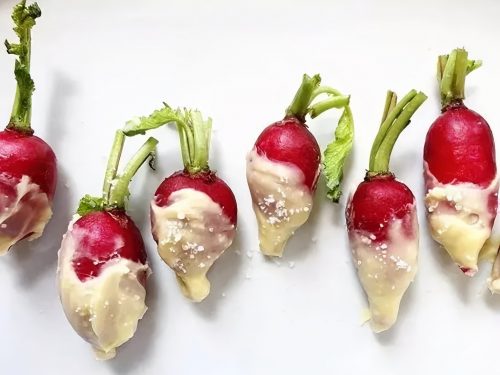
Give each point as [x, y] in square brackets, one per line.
[102, 262]
[104, 310]
[284, 165]
[28, 166]
[193, 212]
[381, 218]
[460, 169]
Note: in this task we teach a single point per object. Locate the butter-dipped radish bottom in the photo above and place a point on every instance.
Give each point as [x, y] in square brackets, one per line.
[284, 165]
[460, 171]
[193, 212]
[102, 266]
[382, 223]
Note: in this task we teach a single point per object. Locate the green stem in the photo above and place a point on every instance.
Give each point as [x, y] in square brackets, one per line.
[113, 162]
[300, 103]
[387, 123]
[333, 102]
[24, 19]
[119, 190]
[452, 70]
[390, 102]
[393, 129]
[325, 90]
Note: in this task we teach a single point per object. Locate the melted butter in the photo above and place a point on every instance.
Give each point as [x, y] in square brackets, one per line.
[192, 232]
[26, 214]
[459, 219]
[104, 310]
[491, 248]
[281, 201]
[385, 270]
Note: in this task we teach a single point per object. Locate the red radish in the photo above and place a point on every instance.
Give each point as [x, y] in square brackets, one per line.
[284, 165]
[28, 166]
[460, 169]
[382, 220]
[102, 266]
[193, 212]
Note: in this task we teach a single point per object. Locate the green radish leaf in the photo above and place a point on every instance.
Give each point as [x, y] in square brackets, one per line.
[90, 204]
[160, 117]
[336, 153]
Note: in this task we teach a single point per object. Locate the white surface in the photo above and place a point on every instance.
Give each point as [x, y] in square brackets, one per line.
[97, 63]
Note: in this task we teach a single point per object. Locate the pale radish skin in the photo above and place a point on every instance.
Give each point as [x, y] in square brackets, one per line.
[284, 165]
[460, 169]
[28, 166]
[102, 266]
[193, 212]
[382, 223]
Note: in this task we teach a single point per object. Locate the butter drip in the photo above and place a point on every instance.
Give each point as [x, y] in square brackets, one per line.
[103, 310]
[459, 218]
[192, 231]
[281, 201]
[24, 214]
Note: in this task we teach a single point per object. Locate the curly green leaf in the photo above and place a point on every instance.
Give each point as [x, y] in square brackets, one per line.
[160, 117]
[337, 152]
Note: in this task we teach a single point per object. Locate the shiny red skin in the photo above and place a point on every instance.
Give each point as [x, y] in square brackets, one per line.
[205, 182]
[459, 148]
[26, 154]
[379, 200]
[97, 247]
[289, 141]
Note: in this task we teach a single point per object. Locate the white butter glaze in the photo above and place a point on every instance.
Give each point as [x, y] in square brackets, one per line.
[281, 201]
[24, 214]
[385, 269]
[459, 218]
[192, 232]
[103, 310]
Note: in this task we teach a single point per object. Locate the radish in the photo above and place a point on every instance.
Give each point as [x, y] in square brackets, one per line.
[28, 166]
[460, 169]
[382, 221]
[193, 212]
[102, 266]
[284, 165]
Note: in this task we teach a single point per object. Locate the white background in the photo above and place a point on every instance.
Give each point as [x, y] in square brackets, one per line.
[98, 63]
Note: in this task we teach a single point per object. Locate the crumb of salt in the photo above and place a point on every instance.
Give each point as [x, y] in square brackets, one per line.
[249, 254]
[223, 294]
[291, 264]
[238, 252]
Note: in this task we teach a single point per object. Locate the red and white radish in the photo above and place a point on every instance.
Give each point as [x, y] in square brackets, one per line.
[102, 268]
[382, 222]
[193, 212]
[284, 165]
[460, 169]
[28, 166]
